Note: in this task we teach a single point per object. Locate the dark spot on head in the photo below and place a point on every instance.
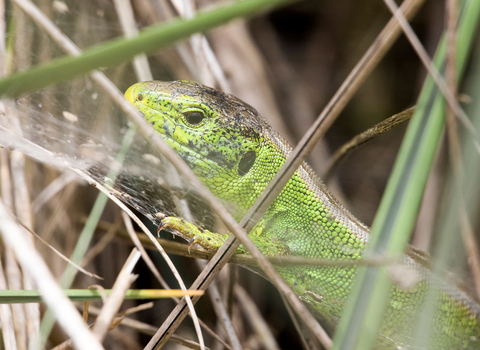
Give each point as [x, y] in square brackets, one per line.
[219, 158]
[216, 156]
[246, 162]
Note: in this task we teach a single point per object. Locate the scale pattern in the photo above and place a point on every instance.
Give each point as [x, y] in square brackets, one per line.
[236, 153]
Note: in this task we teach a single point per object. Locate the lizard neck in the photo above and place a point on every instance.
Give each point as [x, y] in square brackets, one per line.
[304, 189]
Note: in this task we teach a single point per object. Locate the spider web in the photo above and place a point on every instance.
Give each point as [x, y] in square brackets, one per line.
[89, 140]
[75, 125]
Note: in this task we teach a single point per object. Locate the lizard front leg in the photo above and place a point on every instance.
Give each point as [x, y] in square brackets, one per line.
[213, 241]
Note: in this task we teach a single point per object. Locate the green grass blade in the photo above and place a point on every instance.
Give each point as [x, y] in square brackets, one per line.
[399, 207]
[449, 251]
[121, 50]
[34, 296]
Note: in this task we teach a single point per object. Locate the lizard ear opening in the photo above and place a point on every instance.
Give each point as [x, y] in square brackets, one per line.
[246, 162]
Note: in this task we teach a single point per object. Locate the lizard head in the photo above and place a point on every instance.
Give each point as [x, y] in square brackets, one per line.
[219, 136]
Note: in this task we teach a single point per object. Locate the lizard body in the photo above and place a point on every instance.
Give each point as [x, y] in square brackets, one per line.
[236, 153]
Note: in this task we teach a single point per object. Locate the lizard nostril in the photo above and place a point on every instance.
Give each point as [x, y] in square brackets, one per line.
[246, 162]
[140, 97]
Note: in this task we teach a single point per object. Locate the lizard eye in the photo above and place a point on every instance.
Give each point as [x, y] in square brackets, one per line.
[194, 117]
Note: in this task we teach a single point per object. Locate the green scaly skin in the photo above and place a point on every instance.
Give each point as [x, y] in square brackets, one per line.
[236, 153]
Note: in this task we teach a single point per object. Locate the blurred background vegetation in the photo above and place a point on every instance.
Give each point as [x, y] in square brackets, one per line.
[287, 64]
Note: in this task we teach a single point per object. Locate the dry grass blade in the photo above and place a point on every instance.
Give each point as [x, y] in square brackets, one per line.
[66, 345]
[432, 70]
[365, 137]
[307, 340]
[8, 331]
[451, 77]
[454, 145]
[63, 257]
[5, 176]
[138, 244]
[214, 65]
[52, 189]
[244, 259]
[102, 243]
[2, 37]
[470, 246]
[206, 61]
[188, 343]
[33, 264]
[135, 309]
[23, 209]
[232, 277]
[150, 330]
[223, 316]
[115, 322]
[127, 20]
[171, 247]
[58, 212]
[115, 300]
[15, 332]
[255, 319]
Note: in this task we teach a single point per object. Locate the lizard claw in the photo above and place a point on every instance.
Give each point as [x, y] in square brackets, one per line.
[191, 243]
[159, 228]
